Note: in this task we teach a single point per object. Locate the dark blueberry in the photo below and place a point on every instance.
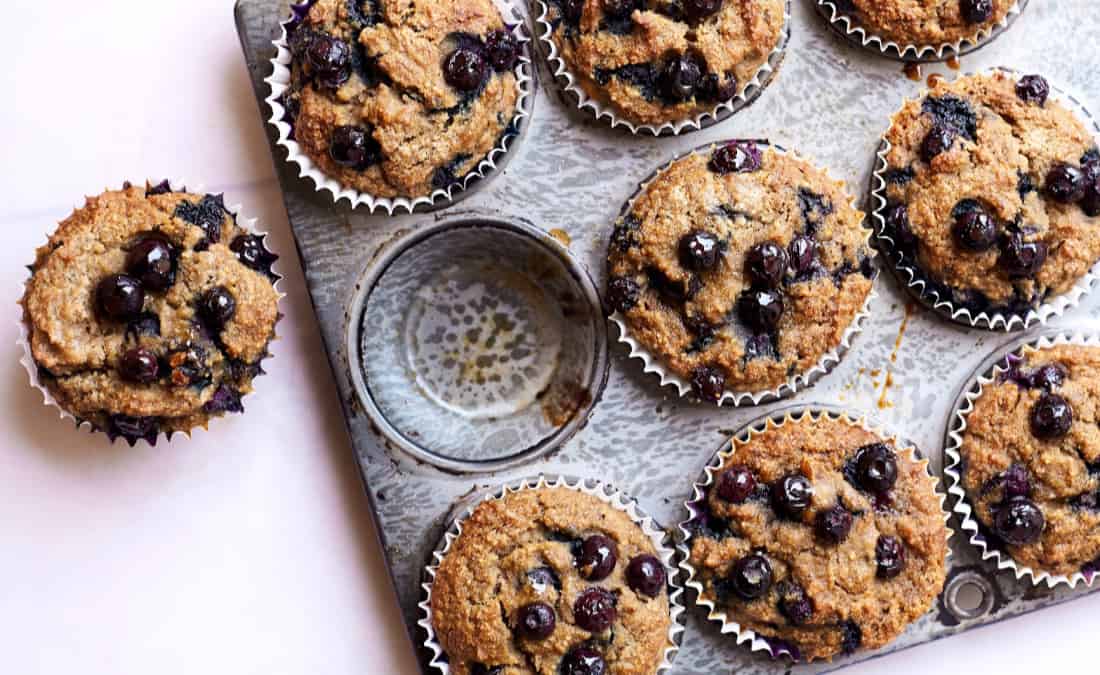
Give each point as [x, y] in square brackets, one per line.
[766, 263]
[625, 235]
[208, 214]
[736, 157]
[708, 383]
[465, 69]
[703, 331]
[1090, 203]
[583, 661]
[622, 294]
[1019, 522]
[952, 112]
[597, 558]
[700, 9]
[976, 11]
[535, 621]
[354, 147]
[897, 176]
[646, 575]
[120, 297]
[975, 231]
[851, 636]
[595, 609]
[890, 556]
[217, 306]
[1065, 183]
[572, 10]
[876, 468]
[330, 58]
[801, 254]
[619, 8]
[225, 399]
[152, 261]
[252, 253]
[938, 141]
[791, 495]
[1051, 417]
[148, 324]
[736, 484]
[1016, 481]
[751, 577]
[186, 367]
[1033, 89]
[503, 49]
[795, 604]
[138, 365]
[717, 88]
[670, 291]
[1047, 377]
[760, 309]
[1024, 184]
[680, 76]
[761, 346]
[133, 428]
[897, 225]
[161, 188]
[1021, 259]
[482, 669]
[834, 525]
[700, 250]
[543, 579]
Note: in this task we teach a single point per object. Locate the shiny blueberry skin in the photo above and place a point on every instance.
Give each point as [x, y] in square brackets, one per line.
[503, 49]
[938, 141]
[760, 309]
[795, 604]
[1090, 203]
[876, 468]
[751, 577]
[354, 147]
[890, 556]
[736, 157]
[708, 383]
[680, 76]
[120, 297]
[536, 621]
[1016, 481]
[1019, 522]
[736, 484]
[717, 88]
[252, 253]
[595, 609]
[465, 69]
[701, 9]
[791, 495]
[700, 250]
[1047, 377]
[330, 58]
[139, 365]
[1065, 183]
[801, 253]
[646, 575]
[217, 307]
[152, 261]
[1033, 89]
[976, 11]
[897, 224]
[1051, 417]
[543, 579]
[975, 231]
[597, 557]
[622, 294]
[834, 525]
[767, 264]
[1022, 259]
[583, 661]
[572, 10]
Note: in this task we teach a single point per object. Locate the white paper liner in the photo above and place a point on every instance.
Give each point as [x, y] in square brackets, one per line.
[953, 457]
[605, 493]
[766, 423]
[279, 82]
[851, 30]
[745, 96]
[913, 280]
[829, 360]
[27, 359]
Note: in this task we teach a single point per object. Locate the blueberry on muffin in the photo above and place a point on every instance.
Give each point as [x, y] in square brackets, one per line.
[925, 23]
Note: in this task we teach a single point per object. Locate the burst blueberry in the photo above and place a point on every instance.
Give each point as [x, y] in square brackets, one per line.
[595, 609]
[1047, 377]
[697, 10]
[976, 11]
[354, 147]
[543, 579]
[1021, 259]
[120, 297]
[700, 250]
[708, 383]
[622, 294]
[252, 253]
[794, 604]
[597, 557]
[619, 9]
[1016, 482]
[898, 227]
[736, 484]
[503, 50]
[152, 260]
[792, 495]
[1033, 89]
[760, 309]
[751, 577]
[736, 157]
[646, 575]
[716, 88]
[330, 59]
[583, 660]
[834, 524]
[939, 140]
[889, 556]
[679, 77]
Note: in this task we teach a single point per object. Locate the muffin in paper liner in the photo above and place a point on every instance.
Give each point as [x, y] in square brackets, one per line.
[991, 369]
[662, 543]
[829, 360]
[746, 95]
[849, 29]
[491, 165]
[777, 648]
[916, 282]
[29, 364]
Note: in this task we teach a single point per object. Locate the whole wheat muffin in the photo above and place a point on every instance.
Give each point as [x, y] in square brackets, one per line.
[740, 267]
[820, 536]
[657, 61]
[551, 581]
[398, 99]
[925, 22]
[993, 193]
[1031, 459]
[149, 311]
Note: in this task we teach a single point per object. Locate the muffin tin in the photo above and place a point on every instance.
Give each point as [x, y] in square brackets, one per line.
[568, 179]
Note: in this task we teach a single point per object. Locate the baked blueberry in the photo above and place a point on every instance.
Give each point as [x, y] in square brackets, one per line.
[330, 59]
[1021, 259]
[138, 365]
[938, 141]
[536, 621]
[801, 253]
[736, 484]
[252, 253]
[751, 577]
[976, 11]
[680, 76]
[708, 383]
[975, 230]
[876, 468]
[760, 309]
[700, 9]
[1016, 481]
[619, 9]
[503, 50]
[133, 428]
[597, 557]
[897, 225]
[217, 307]
[736, 157]
[1033, 89]
[120, 297]
[354, 147]
[1090, 203]
[465, 69]
[767, 264]
[152, 260]
[834, 524]
[851, 636]
[646, 575]
[791, 495]
[482, 669]
[595, 609]
[542, 579]
[889, 556]
[583, 660]
[717, 88]
[700, 250]
[1051, 417]
[1047, 377]
[1065, 183]
[1019, 522]
[794, 604]
[622, 294]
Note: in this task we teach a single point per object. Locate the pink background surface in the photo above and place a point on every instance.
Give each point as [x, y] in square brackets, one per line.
[249, 549]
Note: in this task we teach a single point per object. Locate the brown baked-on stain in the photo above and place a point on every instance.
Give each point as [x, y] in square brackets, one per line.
[562, 236]
[883, 401]
[953, 63]
[912, 71]
[563, 402]
[934, 79]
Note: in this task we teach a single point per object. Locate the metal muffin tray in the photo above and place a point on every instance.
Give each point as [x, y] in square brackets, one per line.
[568, 179]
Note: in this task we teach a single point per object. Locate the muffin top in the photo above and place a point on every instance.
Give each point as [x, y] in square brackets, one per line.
[821, 535]
[398, 99]
[993, 192]
[149, 311]
[657, 61]
[925, 22]
[1031, 459]
[551, 581]
[739, 267]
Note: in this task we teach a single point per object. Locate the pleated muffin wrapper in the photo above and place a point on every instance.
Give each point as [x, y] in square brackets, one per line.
[843, 24]
[776, 648]
[746, 95]
[493, 163]
[652, 363]
[27, 359]
[997, 365]
[917, 282]
[662, 543]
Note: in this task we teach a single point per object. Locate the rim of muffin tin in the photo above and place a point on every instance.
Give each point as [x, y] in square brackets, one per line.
[488, 168]
[843, 25]
[914, 279]
[388, 253]
[746, 95]
[764, 423]
[663, 544]
[248, 224]
[652, 364]
[991, 368]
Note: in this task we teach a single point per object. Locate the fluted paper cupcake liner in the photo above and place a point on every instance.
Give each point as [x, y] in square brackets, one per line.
[666, 552]
[829, 360]
[29, 364]
[746, 94]
[849, 29]
[775, 647]
[988, 373]
[491, 165]
[916, 281]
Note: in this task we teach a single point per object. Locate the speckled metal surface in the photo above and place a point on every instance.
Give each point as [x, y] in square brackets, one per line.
[830, 102]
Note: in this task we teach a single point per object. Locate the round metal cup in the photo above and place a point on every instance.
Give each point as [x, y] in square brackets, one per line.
[476, 343]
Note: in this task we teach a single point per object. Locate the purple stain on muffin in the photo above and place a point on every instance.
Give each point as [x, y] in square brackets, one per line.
[225, 399]
[208, 213]
[132, 429]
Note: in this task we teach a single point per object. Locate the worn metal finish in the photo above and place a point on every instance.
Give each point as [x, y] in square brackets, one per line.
[830, 102]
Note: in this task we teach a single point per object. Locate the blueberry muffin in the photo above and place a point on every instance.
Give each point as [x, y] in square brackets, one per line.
[820, 536]
[925, 22]
[149, 311]
[657, 61]
[551, 581]
[993, 193]
[1031, 459]
[739, 267]
[398, 99]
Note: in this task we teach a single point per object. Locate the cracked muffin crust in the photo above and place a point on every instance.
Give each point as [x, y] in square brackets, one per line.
[398, 99]
[740, 267]
[551, 581]
[150, 311]
[925, 22]
[820, 536]
[1031, 459]
[993, 193]
[657, 61]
